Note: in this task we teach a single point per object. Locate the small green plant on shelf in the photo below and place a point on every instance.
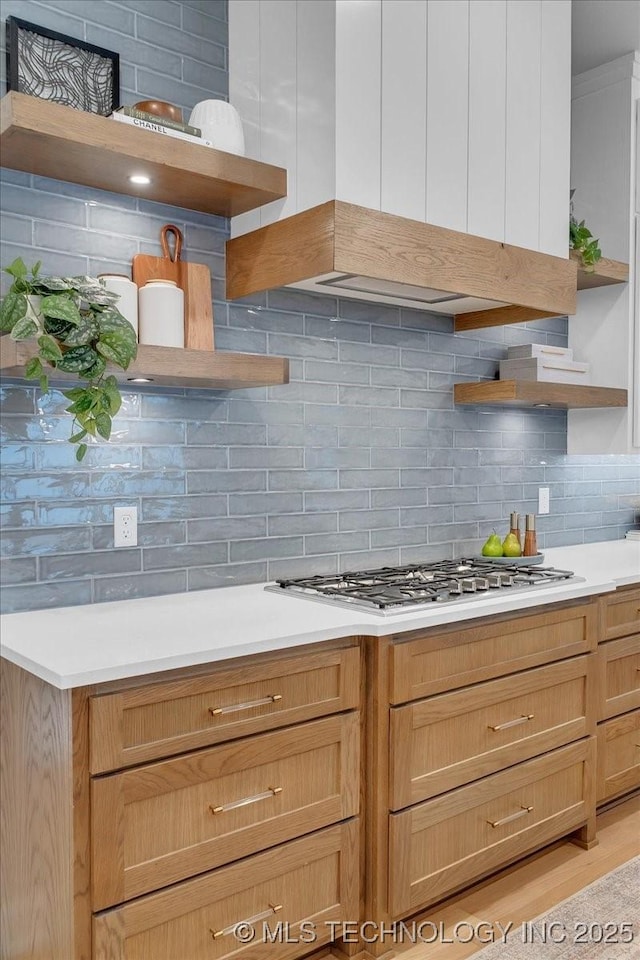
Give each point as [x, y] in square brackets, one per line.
[78, 329]
[582, 240]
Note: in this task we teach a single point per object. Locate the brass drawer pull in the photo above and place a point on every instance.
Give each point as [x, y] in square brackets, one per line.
[513, 816]
[250, 921]
[513, 723]
[249, 705]
[271, 792]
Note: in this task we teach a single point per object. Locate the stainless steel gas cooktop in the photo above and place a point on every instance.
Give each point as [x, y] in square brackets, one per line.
[392, 590]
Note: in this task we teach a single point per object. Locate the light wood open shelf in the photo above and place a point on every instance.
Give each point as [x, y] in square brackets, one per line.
[169, 366]
[531, 393]
[52, 140]
[604, 272]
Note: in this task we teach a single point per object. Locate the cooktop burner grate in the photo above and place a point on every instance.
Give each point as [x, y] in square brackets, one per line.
[395, 589]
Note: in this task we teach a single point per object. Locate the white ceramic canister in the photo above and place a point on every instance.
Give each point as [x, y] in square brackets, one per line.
[127, 290]
[161, 311]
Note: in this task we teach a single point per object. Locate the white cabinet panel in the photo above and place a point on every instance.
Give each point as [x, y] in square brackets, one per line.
[244, 89]
[522, 222]
[487, 121]
[606, 328]
[278, 83]
[555, 126]
[316, 66]
[358, 72]
[447, 112]
[404, 107]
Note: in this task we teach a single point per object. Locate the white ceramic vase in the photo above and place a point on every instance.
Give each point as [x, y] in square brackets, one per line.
[220, 123]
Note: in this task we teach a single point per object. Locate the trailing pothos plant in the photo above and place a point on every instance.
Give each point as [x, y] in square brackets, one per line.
[78, 329]
[582, 240]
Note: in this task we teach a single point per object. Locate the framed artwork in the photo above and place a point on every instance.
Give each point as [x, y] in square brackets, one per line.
[52, 66]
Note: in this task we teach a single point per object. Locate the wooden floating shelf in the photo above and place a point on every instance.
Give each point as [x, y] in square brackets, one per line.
[169, 366]
[604, 273]
[532, 393]
[51, 140]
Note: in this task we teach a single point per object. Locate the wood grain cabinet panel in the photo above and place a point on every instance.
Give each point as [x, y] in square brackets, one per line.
[438, 846]
[313, 879]
[163, 822]
[618, 756]
[445, 659]
[158, 720]
[450, 739]
[621, 614]
[619, 676]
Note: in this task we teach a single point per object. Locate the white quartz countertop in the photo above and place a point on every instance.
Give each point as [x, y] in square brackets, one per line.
[75, 646]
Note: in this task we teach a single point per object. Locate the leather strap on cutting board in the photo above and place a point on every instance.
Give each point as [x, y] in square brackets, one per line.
[193, 278]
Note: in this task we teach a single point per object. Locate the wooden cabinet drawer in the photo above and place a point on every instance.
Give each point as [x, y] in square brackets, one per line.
[619, 676]
[445, 659]
[313, 879]
[618, 755]
[164, 822]
[621, 613]
[450, 739]
[444, 843]
[148, 722]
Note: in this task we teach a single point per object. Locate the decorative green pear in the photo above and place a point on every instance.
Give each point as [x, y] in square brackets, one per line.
[493, 547]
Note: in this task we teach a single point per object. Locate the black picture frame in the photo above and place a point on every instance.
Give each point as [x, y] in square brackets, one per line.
[43, 65]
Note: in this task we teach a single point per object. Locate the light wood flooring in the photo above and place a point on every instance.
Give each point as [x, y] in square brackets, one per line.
[536, 884]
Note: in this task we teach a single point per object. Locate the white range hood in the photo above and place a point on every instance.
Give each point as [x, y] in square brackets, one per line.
[427, 150]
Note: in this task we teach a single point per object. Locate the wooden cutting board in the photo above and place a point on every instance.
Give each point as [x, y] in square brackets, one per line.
[193, 278]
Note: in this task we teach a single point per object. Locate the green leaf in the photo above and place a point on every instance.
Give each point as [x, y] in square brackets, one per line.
[74, 393]
[12, 309]
[77, 437]
[58, 328]
[49, 348]
[35, 269]
[82, 404]
[33, 369]
[112, 395]
[84, 332]
[103, 425]
[96, 370]
[44, 383]
[24, 329]
[80, 452]
[53, 283]
[77, 360]
[61, 307]
[117, 339]
[17, 269]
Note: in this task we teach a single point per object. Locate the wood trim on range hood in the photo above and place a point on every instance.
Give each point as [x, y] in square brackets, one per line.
[315, 248]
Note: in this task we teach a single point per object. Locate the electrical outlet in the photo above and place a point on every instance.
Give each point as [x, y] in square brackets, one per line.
[543, 499]
[125, 526]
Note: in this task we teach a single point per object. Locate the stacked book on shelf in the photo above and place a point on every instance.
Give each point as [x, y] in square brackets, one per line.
[170, 128]
[541, 362]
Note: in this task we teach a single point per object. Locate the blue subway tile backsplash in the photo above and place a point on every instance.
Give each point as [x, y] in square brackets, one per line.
[362, 460]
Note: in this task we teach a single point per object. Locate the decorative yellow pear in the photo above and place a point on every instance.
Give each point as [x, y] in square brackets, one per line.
[511, 546]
